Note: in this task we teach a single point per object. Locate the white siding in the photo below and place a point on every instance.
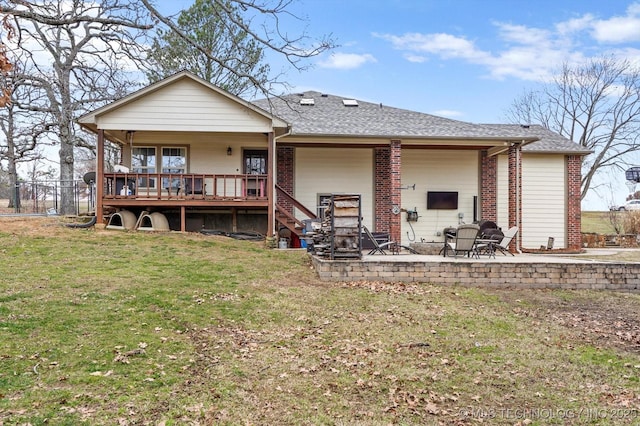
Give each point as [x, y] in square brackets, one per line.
[437, 170]
[185, 106]
[326, 170]
[503, 192]
[206, 152]
[544, 200]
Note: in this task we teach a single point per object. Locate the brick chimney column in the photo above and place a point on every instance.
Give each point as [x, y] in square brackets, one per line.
[515, 193]
[395, 177]
[488, 187]
[574, 198]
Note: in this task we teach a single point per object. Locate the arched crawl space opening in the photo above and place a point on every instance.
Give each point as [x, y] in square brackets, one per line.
[124, 220]
[154, 222]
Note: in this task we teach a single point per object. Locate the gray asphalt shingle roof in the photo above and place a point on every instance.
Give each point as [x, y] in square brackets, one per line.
[328, 116]
[549, 141]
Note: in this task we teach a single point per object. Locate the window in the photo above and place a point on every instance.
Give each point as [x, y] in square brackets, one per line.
[143, 160]
[174, 160]
[255, 162]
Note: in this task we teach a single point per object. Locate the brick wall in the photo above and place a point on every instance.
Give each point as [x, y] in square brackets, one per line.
[285, 171]
[574, 208]
[387, 189]
[488, 187]
[382, 189]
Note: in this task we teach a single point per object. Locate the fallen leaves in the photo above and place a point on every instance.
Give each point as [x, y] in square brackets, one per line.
[123, 357]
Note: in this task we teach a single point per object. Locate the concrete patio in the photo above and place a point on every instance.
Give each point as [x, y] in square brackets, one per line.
[557, 271]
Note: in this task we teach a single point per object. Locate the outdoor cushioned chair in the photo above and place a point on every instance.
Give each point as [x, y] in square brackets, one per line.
[503, 245]
[464, 242]
[383, 248]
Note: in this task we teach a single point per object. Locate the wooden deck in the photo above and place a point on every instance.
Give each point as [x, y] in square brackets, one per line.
[186, 193]
[184, 190]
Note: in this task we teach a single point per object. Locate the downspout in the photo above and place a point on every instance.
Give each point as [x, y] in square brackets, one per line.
[274, 167]
[518, 194]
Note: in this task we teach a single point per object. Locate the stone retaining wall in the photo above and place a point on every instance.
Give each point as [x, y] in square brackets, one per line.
[570, 276]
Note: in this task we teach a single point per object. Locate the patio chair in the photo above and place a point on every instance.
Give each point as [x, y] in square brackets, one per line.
[464, 242]
[194, 186]
[389, 246]
[503, 245]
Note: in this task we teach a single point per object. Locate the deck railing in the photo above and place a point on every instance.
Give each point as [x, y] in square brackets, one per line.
[180, 186]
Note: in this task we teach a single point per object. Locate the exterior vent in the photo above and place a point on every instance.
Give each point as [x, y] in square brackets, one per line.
[350, 102]
[307, 101]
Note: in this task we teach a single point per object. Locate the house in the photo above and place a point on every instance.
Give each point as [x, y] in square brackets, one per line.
[208, 159]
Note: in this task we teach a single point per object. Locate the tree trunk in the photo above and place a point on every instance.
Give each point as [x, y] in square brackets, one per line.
[67, 196]
[14, 200]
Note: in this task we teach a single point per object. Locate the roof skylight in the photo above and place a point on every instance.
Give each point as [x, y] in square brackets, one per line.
[307, 101]
[350, 102]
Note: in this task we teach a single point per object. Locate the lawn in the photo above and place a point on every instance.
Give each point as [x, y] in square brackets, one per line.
[105, 327]
[600, 222]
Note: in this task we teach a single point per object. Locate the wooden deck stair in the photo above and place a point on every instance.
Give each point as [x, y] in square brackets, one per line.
[283, 215]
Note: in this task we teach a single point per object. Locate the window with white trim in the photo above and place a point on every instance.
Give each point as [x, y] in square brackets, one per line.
[143, 161]
[174, 161]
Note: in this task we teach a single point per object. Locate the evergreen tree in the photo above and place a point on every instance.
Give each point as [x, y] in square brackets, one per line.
[234, 61]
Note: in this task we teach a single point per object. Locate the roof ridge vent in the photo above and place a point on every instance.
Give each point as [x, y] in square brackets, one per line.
[307, 101]
[350, 102]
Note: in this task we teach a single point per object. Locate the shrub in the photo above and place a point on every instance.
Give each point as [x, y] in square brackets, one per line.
[632, 222]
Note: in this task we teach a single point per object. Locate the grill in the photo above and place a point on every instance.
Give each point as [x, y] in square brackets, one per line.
[489, 230]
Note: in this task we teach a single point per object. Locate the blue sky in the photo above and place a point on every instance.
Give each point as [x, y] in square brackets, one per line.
[462, 59]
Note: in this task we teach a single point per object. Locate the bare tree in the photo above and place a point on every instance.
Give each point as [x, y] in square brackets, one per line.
[74, 51]
[78, 49]
[25, 132]
[5, 64]
[596, 105]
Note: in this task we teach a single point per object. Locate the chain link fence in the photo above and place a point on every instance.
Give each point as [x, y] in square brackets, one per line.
[44, 197]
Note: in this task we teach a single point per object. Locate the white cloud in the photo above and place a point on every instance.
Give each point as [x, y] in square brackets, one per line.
[444, 45]
[575, 25]
[619, 29]
[418, 59]
[522, 34]
[447, 113]
[529, 57]
[347, 61]
[525, 52]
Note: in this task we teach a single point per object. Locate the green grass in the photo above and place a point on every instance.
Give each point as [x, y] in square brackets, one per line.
[599, 222]
[101, 327]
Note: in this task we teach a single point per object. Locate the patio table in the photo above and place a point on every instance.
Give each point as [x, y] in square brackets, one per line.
[487, 243]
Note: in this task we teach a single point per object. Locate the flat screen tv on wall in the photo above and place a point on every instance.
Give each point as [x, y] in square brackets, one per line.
[442, 200]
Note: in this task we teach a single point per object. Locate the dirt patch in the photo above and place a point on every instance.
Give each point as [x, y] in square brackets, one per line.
[602, 319]
[31, 225]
